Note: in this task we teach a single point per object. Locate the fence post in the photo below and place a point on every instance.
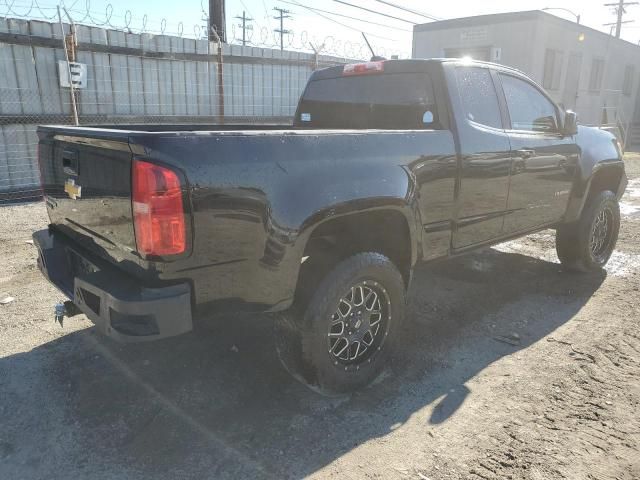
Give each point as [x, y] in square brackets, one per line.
[316, 53]
[220, 75]
[66, 56]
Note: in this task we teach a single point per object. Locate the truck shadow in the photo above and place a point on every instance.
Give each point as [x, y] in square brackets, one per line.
[217, 404]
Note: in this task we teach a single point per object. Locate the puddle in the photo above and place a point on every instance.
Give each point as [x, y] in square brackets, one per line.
[630, 203]
[621, 264]
[633, 188]
[542, 245]
[628, 210]
[537, 245]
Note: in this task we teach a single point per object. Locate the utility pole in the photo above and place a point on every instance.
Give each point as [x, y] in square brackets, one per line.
[217, 18]
[620, 11]
[244, 26]
[282, 15]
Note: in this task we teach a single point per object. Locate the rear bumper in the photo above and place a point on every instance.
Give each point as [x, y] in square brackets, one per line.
[117, 304]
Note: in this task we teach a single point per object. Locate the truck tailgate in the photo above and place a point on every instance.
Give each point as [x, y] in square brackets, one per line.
[86, 178]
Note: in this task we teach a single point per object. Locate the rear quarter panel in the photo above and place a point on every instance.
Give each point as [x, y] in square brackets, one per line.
[257, 197]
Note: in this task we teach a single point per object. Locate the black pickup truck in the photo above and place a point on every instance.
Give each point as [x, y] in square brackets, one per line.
[388, 163]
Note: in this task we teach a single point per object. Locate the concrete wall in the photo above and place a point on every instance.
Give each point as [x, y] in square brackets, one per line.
[133, 78]
[523, 39]
[513, 38]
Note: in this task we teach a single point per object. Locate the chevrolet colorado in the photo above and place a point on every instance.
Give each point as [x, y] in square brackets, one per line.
[387, 163]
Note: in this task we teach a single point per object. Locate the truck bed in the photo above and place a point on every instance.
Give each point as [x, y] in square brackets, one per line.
[188, 127]
[249, 195]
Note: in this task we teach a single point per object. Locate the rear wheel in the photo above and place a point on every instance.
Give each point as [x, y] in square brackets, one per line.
[587, 245]
[342, 339]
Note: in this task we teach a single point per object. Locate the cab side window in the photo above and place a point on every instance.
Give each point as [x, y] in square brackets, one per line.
[478, 95]
[528, 108]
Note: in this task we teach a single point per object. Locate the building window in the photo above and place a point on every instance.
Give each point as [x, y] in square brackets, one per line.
[597, 70]
[627, 84]
[553, 61]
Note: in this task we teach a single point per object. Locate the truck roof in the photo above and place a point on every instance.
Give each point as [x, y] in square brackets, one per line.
[412, 65]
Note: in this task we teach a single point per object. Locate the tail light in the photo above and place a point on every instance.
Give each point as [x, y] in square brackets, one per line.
[363, 68]
[158, 213]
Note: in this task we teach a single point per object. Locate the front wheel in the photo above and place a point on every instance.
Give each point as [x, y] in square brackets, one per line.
[342, 340]
[587, 245]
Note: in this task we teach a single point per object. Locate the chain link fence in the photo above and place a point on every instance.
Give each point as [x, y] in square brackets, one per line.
[129, 78]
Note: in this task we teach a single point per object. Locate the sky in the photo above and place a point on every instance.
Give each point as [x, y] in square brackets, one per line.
[331, 23]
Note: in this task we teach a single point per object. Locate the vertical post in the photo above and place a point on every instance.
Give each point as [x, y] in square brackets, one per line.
[220, 83]
[282, 14]
[619, 21]
[217, 19]
[66, 56]
[316, 53]
[220, 76]
[244, 29]
[620, 11]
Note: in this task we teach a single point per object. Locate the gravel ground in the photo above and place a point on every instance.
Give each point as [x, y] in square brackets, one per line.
[512, 369]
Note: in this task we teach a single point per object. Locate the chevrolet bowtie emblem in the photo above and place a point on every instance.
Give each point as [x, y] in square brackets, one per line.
[74, 191]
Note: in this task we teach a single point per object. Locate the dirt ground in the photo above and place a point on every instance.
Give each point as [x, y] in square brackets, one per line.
[511, 369]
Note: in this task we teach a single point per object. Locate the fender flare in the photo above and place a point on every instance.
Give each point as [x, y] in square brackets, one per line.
[579, 198]
[322, 217]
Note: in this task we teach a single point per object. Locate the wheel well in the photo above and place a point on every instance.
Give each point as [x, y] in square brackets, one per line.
[606, 179]
[384, 231]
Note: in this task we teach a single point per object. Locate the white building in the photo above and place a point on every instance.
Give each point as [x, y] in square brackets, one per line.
[586, 70]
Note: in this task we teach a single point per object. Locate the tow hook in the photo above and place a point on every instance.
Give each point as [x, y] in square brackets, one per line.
[59, 311]
[64, 309]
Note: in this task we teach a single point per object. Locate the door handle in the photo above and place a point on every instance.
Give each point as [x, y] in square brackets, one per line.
[526, 153]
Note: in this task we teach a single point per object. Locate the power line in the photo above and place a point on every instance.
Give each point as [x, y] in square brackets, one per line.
[313, 9]
[375, 12]
[415, 12]
[620, 11]
[247, 8]
[343, 24]
[283, 13]
[266, 12]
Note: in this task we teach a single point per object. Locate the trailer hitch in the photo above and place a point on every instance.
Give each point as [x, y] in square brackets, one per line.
[65, 309]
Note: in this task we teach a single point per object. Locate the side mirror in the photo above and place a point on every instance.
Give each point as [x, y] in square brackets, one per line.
[570, 123]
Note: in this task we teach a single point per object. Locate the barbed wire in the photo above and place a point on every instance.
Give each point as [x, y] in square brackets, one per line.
[132, 88]
[84, 15]
[124, 88]
[262, 36]
[303, 41]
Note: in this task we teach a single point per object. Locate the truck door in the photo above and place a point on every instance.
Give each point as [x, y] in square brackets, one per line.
[544, 160]
[485, 158]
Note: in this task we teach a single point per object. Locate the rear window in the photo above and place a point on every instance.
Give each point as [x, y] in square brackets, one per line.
[387, 101]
